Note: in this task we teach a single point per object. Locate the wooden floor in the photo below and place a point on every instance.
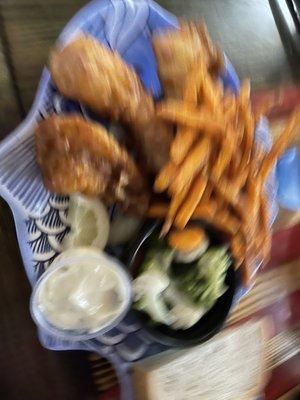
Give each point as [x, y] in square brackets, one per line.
[27, 29]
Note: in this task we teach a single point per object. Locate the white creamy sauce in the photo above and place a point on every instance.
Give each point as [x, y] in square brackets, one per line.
[86, 296]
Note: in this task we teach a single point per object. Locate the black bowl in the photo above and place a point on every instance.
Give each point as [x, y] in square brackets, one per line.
[210, 323]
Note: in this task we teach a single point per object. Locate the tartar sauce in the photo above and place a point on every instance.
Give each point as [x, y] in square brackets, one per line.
[84, 293]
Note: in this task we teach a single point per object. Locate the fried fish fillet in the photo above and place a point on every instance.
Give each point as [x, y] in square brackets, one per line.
[88, 72]
[79, 156]
[153, 141]
[177, 50]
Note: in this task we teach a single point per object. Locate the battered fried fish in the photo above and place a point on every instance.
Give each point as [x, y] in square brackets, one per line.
[88, 72]
[79, 156]
[177, 50]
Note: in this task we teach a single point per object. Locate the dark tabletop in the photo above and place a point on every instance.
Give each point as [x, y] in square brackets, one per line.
[245, 29]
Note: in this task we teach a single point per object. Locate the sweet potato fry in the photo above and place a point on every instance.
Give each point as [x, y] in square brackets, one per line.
[190, 94]
[158, 210]
[247, 270]
[229, 106]
[205, 39]
[200, 82]
[230, 194]
[238, 249]
[254, 182]
[233, 168]
[254, 190]
[195, 80]
[182, 143]
[245, 122]
[258, 154]
[192, 200]
[225, 155]
[183, 114]
[191, 165]
[239, 133]
[176, 202]
[212, 93]
[280, 144]
[226, 190]
[165, 177]
[240, 180]
[211, 96]
[248, 136]
[185, 136]
[244, 95]
[207, 195]
[205, 210]
[178, 111]
[226, 222]
[186, 240]
[265, 223]
[221, 220]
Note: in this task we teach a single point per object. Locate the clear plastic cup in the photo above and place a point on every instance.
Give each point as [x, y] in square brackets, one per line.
[72, 258]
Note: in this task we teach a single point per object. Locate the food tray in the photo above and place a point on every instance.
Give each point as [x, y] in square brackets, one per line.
[40, 217]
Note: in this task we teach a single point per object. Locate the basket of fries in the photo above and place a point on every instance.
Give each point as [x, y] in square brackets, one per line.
[190, 153]
[225, 179]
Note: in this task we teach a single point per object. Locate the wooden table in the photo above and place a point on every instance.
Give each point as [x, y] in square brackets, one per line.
[27, 29]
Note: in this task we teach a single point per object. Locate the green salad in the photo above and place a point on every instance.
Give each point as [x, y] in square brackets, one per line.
[178, 294]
